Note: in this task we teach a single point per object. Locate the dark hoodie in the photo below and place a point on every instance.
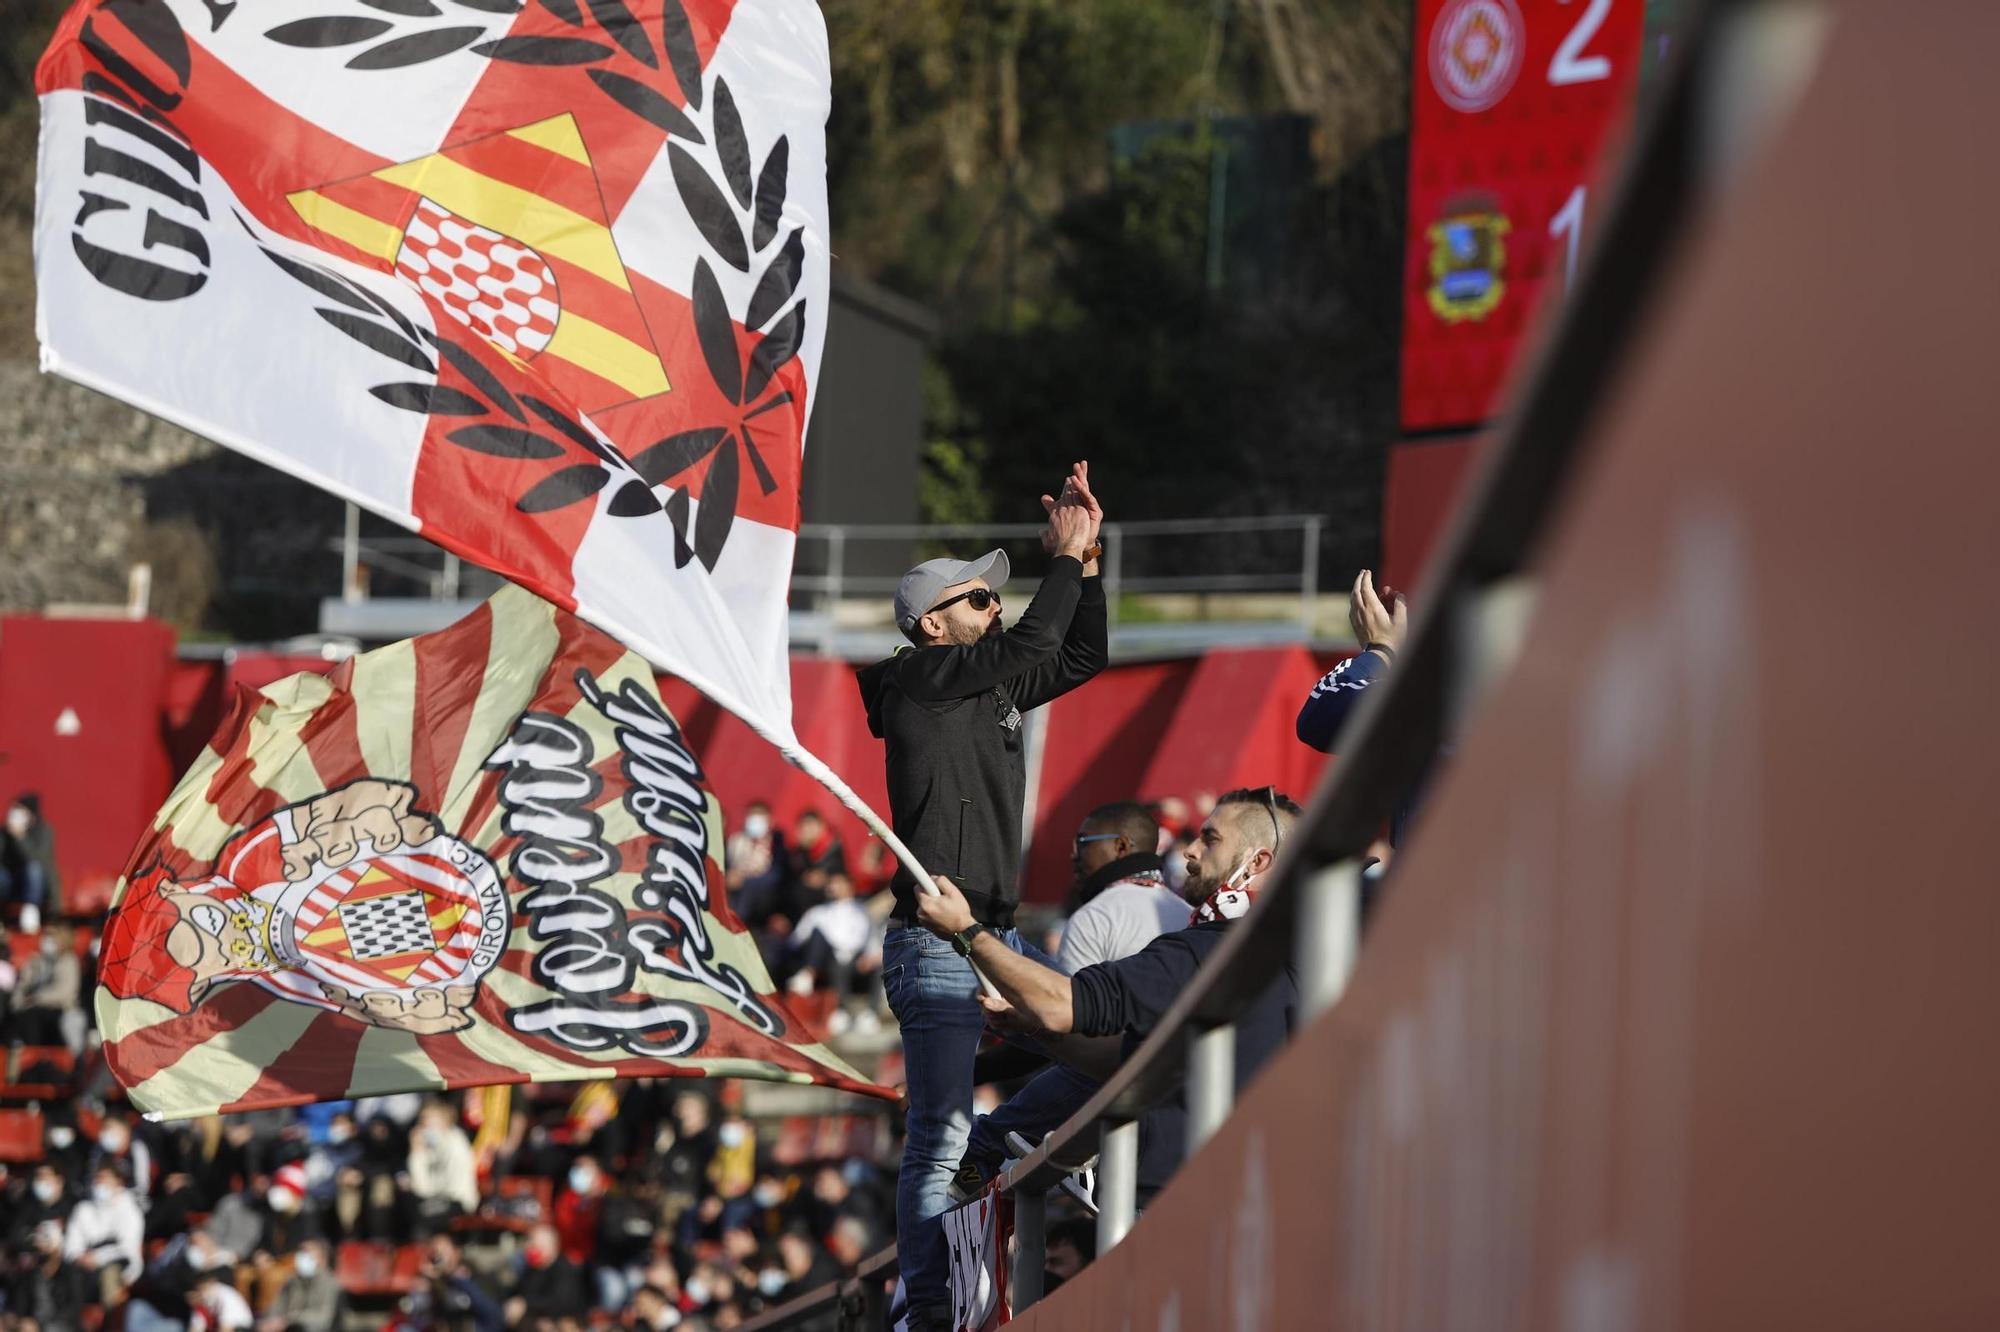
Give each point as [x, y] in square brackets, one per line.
[949, 718]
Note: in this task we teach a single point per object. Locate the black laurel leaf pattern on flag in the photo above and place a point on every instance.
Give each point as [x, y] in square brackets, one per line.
[716, 332]
[319, 282]
[624, 28]
[732, 145]
[415, 48]
[677, 34]
[710, 211]
[491, 6]
[565, 10]
[341, 31]
[560, 421]
[775, 348]
[677, 514]
[505, 442]
[771, 193]
[635, 499]
[482, 379]
[646, 103]
[765, 481]
[543, 50]
[410, 330]
[718, 506]
[429, 399]
[780, 280]
[407, 8]
[676, 453]
[377, 338]
[564, 487]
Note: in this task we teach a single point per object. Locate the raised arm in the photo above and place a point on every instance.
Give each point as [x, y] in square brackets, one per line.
[1086, 648]
[1378, 623]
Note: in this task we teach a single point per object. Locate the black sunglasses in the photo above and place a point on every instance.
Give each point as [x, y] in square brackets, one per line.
[980, 597]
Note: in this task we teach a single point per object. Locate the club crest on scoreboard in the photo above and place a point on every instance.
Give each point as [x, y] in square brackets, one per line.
[1468, 262]
[1477, 47]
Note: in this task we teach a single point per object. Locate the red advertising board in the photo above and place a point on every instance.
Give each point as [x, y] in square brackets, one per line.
[1513, 104]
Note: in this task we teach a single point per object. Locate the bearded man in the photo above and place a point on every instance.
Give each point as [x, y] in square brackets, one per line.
[1127, 996]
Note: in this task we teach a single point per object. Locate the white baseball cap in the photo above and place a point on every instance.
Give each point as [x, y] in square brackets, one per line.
[922, 586]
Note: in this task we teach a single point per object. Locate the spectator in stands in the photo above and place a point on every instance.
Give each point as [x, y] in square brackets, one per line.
[28, 863]
[449, 1296]
[830, 939]
[949, 712]
[1239, 841]
[233, 1231]
[548, 1283]
[48, 1002]
[46, 1198]
[106, 1230]
[758, 866]
[1379, 622]
[309, 1301]
[217, 1306]
[115, 1143]
[578, 1208]
[806, 1265]
[848, 1242]
[1071, 1245]
[287, 1223]
[817, 855]
[441, 1168]
[1126, 904]
[652, 1310]
[45, 1286]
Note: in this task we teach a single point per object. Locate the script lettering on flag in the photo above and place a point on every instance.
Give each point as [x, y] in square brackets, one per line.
[486, 855]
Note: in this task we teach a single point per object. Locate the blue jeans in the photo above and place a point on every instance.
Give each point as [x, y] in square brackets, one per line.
[1044, 1104]
[934, 995]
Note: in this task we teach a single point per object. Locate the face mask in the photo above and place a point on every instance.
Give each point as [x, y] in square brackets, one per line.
[770, 1281]
[696, 1290]
[337, 1136]
[61, 1136]
[48, 946]
[113, 1141]
[17, 821]
[537, 1256]
[47, 1190]
[731, 1135]
[768, 1195]
[756, 825]
[582, 1180]
[283, 1201]
[306, 1265]
[102, 1193]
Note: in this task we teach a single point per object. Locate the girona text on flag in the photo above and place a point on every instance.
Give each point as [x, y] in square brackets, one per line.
[547, 285]
[486, 855]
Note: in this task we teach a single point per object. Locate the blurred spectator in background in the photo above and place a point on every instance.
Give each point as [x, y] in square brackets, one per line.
[106, 1230]
[805, 1263]
[28, 878]
[1072, 1244]
[217, 1306]
[578, 1209]
[441, 1168]
[49, 992]
[116, 1145]
[816, 857]
[449, 1296]
[758, 866]
[44, 1285]
[830, 939]
[652, 1311]
[309, 1300]
[549, 1284]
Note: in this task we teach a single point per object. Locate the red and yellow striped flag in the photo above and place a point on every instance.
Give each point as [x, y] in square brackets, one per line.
[482, 856]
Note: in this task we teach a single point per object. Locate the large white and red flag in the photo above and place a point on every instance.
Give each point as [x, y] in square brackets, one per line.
[544, 280]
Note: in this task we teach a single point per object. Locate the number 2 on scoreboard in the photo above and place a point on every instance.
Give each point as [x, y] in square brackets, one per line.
[1571, 65]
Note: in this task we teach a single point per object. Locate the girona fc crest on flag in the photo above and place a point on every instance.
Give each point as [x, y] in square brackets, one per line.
[508, 869]
[500, 289]
[545, 282]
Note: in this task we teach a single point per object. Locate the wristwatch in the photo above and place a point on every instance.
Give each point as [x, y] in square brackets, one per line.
[1096, 549]
[962, 941]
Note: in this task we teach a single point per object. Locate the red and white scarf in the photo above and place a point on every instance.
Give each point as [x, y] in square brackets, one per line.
[1228, 902]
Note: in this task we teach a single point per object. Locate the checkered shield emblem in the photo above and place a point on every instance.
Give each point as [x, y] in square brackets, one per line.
[498, 287]
[387, 926]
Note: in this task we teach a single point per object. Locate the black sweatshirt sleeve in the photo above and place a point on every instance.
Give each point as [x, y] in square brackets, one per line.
[936, 674]
[1084, 651]
[1131, 993]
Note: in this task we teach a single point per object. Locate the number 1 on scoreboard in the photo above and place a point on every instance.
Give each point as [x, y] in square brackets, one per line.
[1567, 226]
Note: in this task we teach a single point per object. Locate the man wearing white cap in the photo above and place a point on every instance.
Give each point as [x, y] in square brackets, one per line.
[949, 711]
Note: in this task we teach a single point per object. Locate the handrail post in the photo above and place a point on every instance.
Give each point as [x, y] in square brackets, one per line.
[1031, 1247]
[1327, 934]
[350, 555]
[1113, 571]
[1211, 1084]
[1117, 1184]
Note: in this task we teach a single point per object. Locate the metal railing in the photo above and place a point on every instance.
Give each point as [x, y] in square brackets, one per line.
[1471, 611]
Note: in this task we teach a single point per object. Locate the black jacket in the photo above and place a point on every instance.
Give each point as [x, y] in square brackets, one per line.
[1131, 995]
[950, 719]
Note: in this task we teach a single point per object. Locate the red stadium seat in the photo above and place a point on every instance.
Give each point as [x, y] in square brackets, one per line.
[30, 1057]
[20, 1136]
[543, 1191]
[408, 1265]
[365, 1267]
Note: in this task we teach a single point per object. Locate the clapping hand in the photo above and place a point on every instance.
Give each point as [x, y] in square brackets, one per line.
[1377, 619]
[1075, 495]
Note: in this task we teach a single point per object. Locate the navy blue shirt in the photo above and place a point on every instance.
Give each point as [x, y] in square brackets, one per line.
[1131, 994]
